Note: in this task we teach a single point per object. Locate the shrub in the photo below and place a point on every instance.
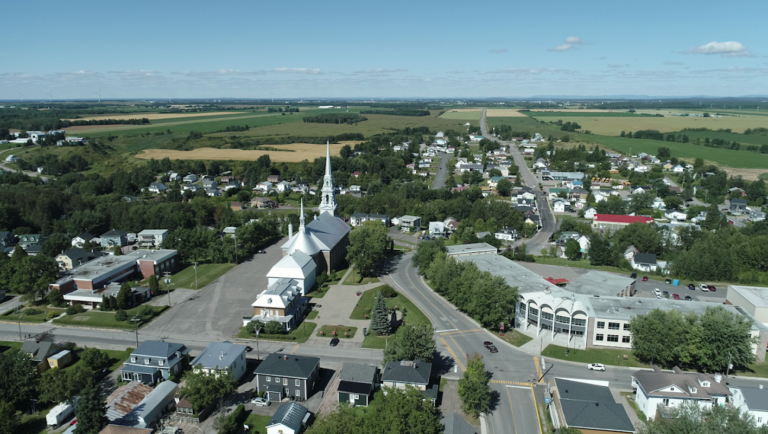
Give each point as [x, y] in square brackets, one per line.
[31, 311]
[387, 291]
[74, 310]
[120, 315]
[94, 358]
[273, 328]
[51, 315]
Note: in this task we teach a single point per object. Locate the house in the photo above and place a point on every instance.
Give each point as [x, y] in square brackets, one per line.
[355, 189]
[60, 360]
[282, 375]
[273, 178]
[74, 257]
[451, 223]
[437, 229]
[152, 237]
[120, 429]
[29, 240]
[611, 223]
[130, 198]
[212, 192]
[7, 238]
[190, 178]
[678, 169]
[589, 406]
[736, 192]
[113, 238]
[236, 206]
[262, 202]
[154, 361]
[222, 357]
[264, 187]
[644, 262]
[283, 300]
[380, 217]
[234, 183]
[409, 223]
[290, 418]
[554, 193]
[417, 373]
[738, 205]
[125, 398]
[357, 384]
[209, 183]
[11, 159]
[675, 215]
[40, 351]
[590, 212]
[639, 189]
[558, 206]
[470, 168]
[506, 234]
[173, 176]
[753, 401]
[667, 166]
[659, 392]
[356, 173]
[533, 220]
[300, 187]
[157, 187]
[81, 239]
[282, 186]
[456, 424]
[756, 216]
[92, 298]
[358, 218]
[150, 409]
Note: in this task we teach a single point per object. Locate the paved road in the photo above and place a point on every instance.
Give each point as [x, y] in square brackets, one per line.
[442, 172]
[548, 222]
[8, 169]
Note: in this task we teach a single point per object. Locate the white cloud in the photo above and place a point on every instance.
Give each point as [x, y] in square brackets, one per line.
[564, 47]
[730, 48]
[570, 44]
[498, 50]
[298, 70]
[575, 40]
[380, 71]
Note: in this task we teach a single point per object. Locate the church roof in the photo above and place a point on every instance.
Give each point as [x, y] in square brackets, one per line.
[327, 230]
[302, 242]
[297, 265]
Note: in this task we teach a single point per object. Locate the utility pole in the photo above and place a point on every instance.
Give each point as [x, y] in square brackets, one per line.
[729, 365]
[258, 356]
[168, 286]
[195, 274]
[20, 315]
[136, 320]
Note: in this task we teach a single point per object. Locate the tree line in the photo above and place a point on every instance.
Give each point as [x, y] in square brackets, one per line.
[396, 112]
[335, 118]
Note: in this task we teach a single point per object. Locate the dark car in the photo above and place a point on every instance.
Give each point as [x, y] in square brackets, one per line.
[248, 348]
[334, 342]
[691, 286]
[101, 373]
[712, 288]
[262, 251]
[633, 275]
[668, 281]
[492, 348]
[666, 294]
[645, 278]
[688, 298]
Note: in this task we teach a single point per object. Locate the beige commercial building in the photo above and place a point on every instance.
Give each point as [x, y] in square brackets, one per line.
[753, 299]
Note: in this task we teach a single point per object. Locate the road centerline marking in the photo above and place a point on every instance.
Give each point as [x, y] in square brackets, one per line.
[445, 331]
[533, 395]
[514, 423]
[453, 354]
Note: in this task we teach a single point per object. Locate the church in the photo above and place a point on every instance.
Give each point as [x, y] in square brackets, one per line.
[318, 246]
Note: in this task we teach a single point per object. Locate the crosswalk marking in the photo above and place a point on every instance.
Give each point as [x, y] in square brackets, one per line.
[513, 383]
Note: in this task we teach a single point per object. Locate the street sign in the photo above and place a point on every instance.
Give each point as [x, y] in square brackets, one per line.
[546, 400]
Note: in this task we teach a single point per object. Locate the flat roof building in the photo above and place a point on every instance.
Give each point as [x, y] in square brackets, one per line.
[470, 249]
[753, 299]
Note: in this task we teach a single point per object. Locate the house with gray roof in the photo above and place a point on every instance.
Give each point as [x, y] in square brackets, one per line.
[416, 373]
[455, 424]
[752, 400]
[150, 409]
[662, 391]
[39, 351]
[288, 419]
[589, 406]
[283, 375]
[7, 238]
[113, 238]
[357, 384]
[154, 361]
[222, 356]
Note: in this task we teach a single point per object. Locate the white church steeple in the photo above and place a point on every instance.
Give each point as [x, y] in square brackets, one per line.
[328, 198]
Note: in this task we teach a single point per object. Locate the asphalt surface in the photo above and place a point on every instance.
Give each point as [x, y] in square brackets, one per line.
[8, 169]
[442, 173]
[548, 223]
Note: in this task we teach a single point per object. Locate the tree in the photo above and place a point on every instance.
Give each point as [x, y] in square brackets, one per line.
[380, 324]
[401, 411]
[367, 246]
[55, 298]
[504, 186]
[94, 358]
[18, 383]
[673, 202]
[663, 154]
[572, 249]
[474, 391]
[117, 251]
[657, 336]
[712, 221]
[202, 389]
[411, 342]
[345, 420]
[121, 315]
[9, 419]
[756, 192]
[56, 244]
[599, 250]
[154, 286]
[91, 411]
[61, 385]
[124, 295]
[253, 326]
[273, 328]
[694, 419]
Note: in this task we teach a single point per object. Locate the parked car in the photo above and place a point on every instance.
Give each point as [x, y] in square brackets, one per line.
[260, 402]
[492, 348]
[248, 348]
[666, 294]
[334, 342]
[668, 281]
[676, 296]
[659, 297]
[703, 287]
[262, 251]
[645, 278]
[633, 275]
[657, 291]
[596, 367]
[688, 298]
[712, 288]
[691, 286]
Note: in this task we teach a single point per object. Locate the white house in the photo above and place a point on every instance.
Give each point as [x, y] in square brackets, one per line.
[642, 168]
[659, 391]
[221, 357]
[173, 176]
[678, 169]
[152, 237]
[506, 234]
[11, 159]
[583, 243]
[658, 203]
[590, 212]
[157, 187]
[265, 186]
[297, 266]
[355, 188]
[753, 401]
[644, 262]
[558, 206]
[437, 229]
[282, 186]
[675, 215]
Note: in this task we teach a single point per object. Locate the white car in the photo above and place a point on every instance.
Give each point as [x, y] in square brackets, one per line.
[596, 367]
[260, 402]
[657, 291]
[704, 288]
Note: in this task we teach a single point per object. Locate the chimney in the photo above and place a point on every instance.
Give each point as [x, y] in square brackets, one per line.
[285, 357]
[290, 231]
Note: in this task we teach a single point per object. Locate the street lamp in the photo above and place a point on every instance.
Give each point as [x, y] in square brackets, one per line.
[258, 356]
[19, 321]
[195, 274]
[168, 286]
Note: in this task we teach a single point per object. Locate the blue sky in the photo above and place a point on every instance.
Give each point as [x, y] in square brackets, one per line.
[359, 49]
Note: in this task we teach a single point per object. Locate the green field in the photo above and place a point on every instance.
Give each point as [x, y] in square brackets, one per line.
[99, 319]
[613, 125]
[412, 313]
[38, 318]
[613, 114]
[206, 273]
[467, 116]
[354, 279]
[257, 424]
[516, 338]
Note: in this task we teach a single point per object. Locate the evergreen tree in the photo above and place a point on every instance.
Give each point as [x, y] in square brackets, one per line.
[9, 420]
[713, 218]
[379, 319]
[91, 411]
[124, 296]
[154, 286]
[103, 305]
[474, 391]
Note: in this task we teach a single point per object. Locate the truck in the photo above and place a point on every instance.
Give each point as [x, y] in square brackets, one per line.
[60, 413]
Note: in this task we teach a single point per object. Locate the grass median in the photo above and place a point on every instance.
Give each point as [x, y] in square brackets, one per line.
[411, 313]
[97, 318]
[342, 332]
[38, 315]
[206, 273]
[298, 334]
[606, 356]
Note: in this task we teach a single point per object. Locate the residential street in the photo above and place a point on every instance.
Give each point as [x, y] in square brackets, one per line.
[442, 172]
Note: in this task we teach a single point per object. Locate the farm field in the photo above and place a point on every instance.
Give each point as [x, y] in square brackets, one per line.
[502, 113]
[301, 151]
[613, 126]
[465, 114]
[609, 114]
[152, 116]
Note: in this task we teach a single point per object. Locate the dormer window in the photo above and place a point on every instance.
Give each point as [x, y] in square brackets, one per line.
[146, 361]
[160, 362]
[133, 359]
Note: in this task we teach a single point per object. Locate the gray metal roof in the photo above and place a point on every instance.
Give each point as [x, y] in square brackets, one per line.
[599, 283]
[151, 407]
[219, 355]
[757, 399]
[285, 365]
[157, 349]
[589, 406]
[38, 350]
[416, 372]
[358, 373]
[290, 415]
[645, 258]
[655, 383]
[455, 424]
[465, 249]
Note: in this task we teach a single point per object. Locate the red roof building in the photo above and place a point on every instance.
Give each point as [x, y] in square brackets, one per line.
[558, 282]
[606, 223]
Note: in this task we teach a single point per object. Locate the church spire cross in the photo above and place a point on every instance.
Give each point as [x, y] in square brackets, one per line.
[327, 197]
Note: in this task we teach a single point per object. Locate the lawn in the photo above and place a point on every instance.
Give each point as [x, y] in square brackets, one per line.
[759, 369]
[97, 318]
[354, 279]
[312, 315]
[257, 424]
[40, 317]
[516, 338]
[594, 355]
[206, 273]
[630, 397]
[298, 334]
[364, 306]
[8, 345]
[342, 331]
